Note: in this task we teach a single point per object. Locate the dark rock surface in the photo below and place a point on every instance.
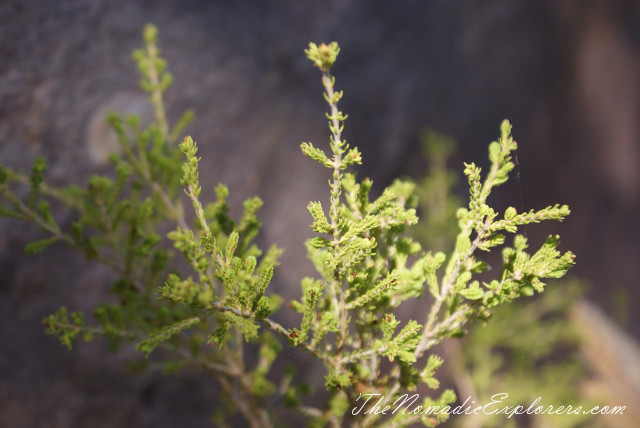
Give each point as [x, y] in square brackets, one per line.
[565, 73]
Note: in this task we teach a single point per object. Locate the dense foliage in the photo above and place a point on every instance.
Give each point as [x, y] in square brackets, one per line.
[367, 266]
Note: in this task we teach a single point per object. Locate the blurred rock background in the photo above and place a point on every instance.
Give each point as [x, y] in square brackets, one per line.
[566, 73]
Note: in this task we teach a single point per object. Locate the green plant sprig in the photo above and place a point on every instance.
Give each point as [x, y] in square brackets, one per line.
[357, 229]
[367, 266]
[480, 218]
[363, 265]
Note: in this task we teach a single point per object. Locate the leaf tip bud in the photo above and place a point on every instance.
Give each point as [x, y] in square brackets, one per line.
[323, 56]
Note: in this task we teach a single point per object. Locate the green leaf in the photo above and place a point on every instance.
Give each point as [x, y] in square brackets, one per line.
[220, 334]
[377, 291]
[494, 151]
[186, 118]
[67, 330]
[250, 264]
[353, 156]
[157, 337]
[36, 179]
[492, 241]
[323, 56]
[232, 244]
[4, 175]
[474, 292]
[247, 327]
[6, 212]
[431, 264]
[320, 223]
[337, 381]
[433, 363]
[406, 341]
[37, 246]
[319, 242]
[316, 154]
[261, 286]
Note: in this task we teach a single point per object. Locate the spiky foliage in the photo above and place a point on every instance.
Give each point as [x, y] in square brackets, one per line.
[367, 267]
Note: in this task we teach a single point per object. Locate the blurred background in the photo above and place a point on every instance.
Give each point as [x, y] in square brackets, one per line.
[566, 73]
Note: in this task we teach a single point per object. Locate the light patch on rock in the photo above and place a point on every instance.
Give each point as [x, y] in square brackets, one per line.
[100, 138]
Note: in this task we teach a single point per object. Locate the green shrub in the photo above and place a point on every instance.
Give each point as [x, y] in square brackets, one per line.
[367, 266]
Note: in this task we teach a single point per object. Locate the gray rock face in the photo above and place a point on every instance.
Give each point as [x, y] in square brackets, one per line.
[564, 73]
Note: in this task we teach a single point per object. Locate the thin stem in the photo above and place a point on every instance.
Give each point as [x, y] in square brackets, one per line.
[446, 289]
[156, 92]
[462, 380]
[336, 143]
[359, 355]
[236, 384]
[55, 232]
[254, 420]
[269, 323]
[98, 331]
